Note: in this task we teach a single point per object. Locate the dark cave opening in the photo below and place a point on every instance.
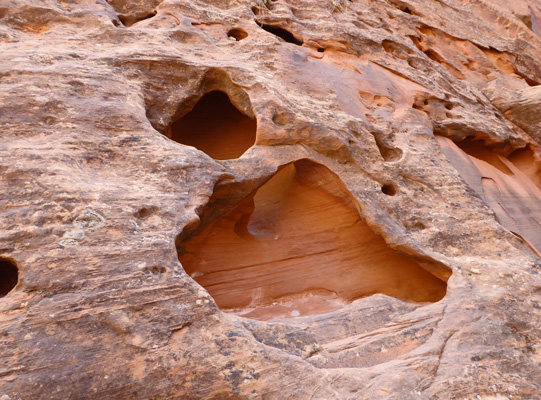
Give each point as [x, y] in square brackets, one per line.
[216, 127]
[9, 276]
[388, 189]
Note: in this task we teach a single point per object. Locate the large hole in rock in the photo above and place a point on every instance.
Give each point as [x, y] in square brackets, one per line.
[215, 127]
[9, 276]
[507, 184]
[298, 247]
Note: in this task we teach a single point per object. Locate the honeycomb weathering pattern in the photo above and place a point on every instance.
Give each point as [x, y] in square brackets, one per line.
[95, 197]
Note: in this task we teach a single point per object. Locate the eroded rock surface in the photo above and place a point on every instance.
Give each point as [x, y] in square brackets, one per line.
[299, 247]
[278, 199]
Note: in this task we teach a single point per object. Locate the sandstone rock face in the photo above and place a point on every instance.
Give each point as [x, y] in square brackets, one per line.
[270, 199]
[299, 247]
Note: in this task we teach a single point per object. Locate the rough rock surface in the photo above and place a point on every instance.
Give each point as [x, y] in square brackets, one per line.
[357, 183]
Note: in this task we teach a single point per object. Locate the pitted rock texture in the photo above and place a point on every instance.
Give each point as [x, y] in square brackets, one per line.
[140, 146]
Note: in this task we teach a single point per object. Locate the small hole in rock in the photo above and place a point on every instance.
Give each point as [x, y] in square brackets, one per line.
[237, 33]
[282, 33]
[129, 19]
[416, 226]
[9, 276]
[145, 212]
[388, 189]
[388, 46]
[321, 50]
[414, 63]
[216, 127]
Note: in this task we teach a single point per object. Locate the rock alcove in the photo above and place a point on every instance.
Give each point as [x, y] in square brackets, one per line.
[298, 246]
[509, 185]
[9, 276]
[216, 127]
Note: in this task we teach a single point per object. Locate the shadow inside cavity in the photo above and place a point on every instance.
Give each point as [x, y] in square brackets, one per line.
[216, 127]
[297, 247]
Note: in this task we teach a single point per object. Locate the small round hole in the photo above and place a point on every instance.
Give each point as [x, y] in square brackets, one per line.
[237, 34]
[144, 212]
[413, 63]
[320, 50]
[388, 189]
[9, 276]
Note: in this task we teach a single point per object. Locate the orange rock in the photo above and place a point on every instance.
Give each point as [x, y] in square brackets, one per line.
[351, 187]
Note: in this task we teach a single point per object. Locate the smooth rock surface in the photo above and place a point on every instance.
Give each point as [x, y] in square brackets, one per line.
[418, 120]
